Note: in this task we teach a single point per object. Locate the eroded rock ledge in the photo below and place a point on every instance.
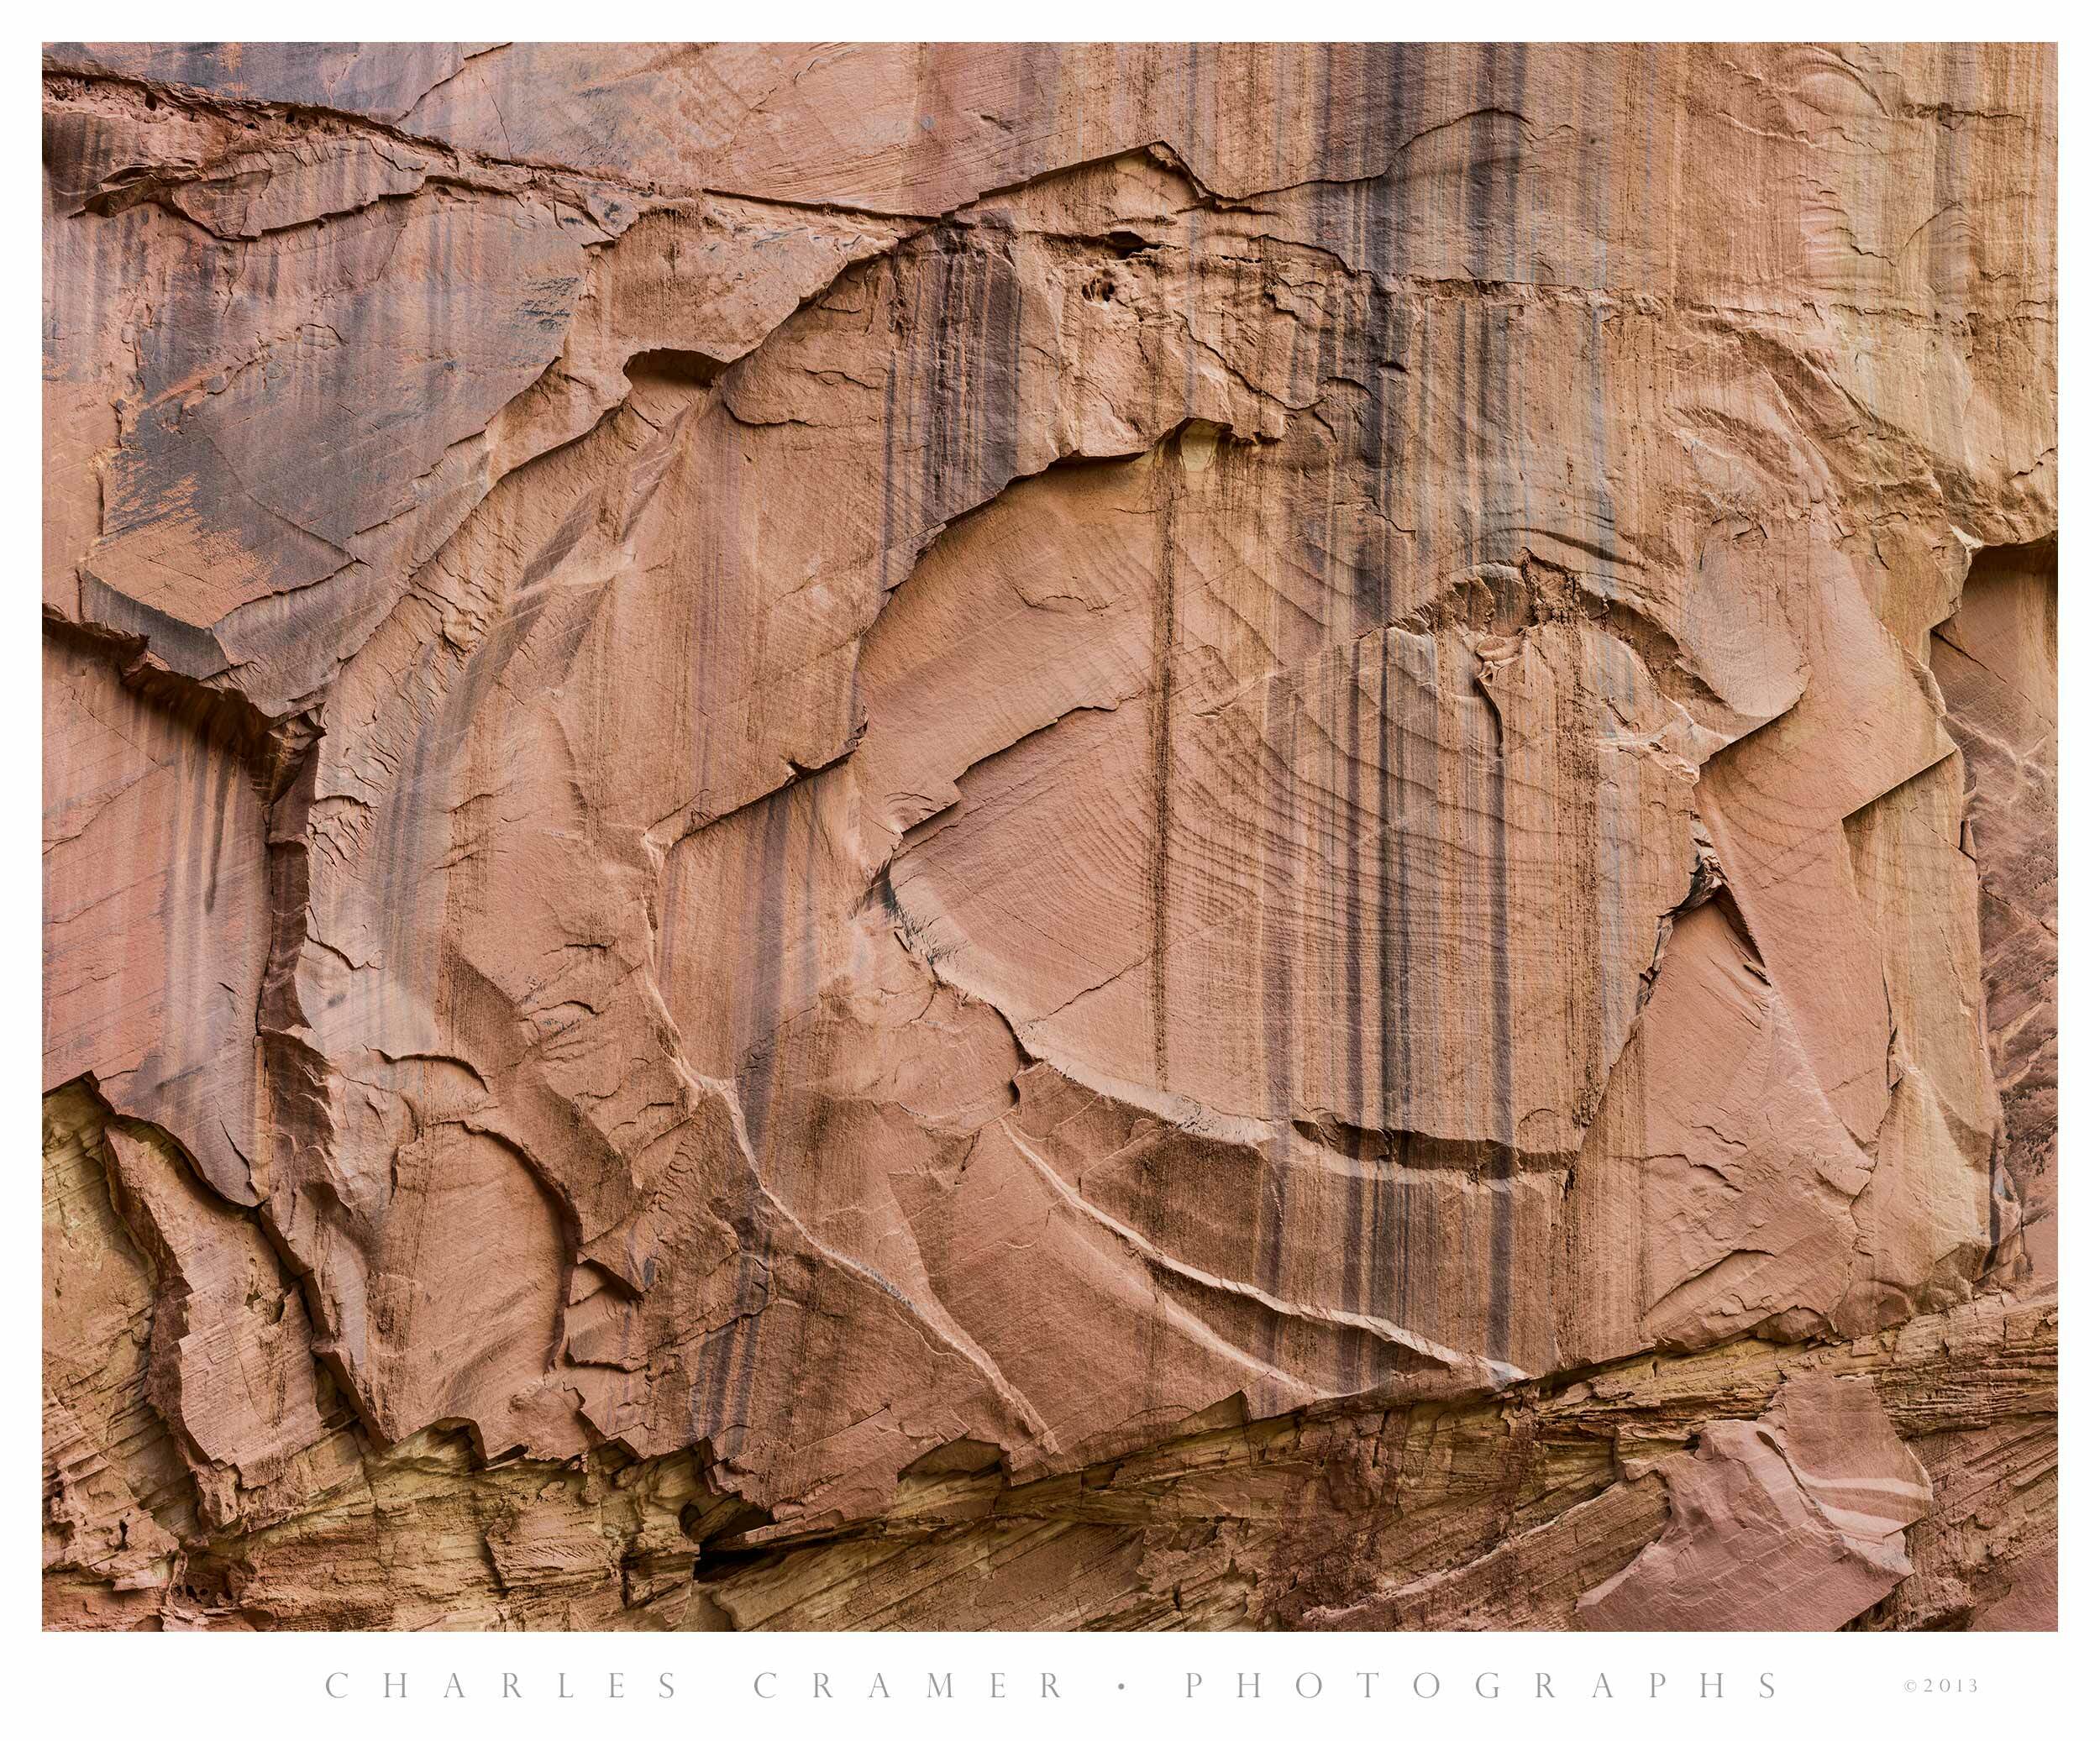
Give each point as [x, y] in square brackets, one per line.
[1213, 837]
[1508, 1510]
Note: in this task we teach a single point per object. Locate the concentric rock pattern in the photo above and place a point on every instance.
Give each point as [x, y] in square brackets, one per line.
[1049, 836]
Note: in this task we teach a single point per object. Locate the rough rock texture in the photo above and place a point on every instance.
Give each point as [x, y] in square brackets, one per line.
[1049, 836]
[1794, 1521]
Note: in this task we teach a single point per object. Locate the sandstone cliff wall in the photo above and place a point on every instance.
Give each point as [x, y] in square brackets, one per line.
[1049, 836]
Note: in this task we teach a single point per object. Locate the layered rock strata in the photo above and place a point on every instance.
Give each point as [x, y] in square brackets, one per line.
[1062, 836]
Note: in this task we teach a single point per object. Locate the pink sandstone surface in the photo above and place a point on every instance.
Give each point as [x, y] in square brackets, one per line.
[1049, 836]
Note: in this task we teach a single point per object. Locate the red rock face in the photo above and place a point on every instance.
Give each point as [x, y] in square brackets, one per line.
[1034, 836]
[1791, 1523]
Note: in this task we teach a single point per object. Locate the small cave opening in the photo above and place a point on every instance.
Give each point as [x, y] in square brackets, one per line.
[680, 368]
